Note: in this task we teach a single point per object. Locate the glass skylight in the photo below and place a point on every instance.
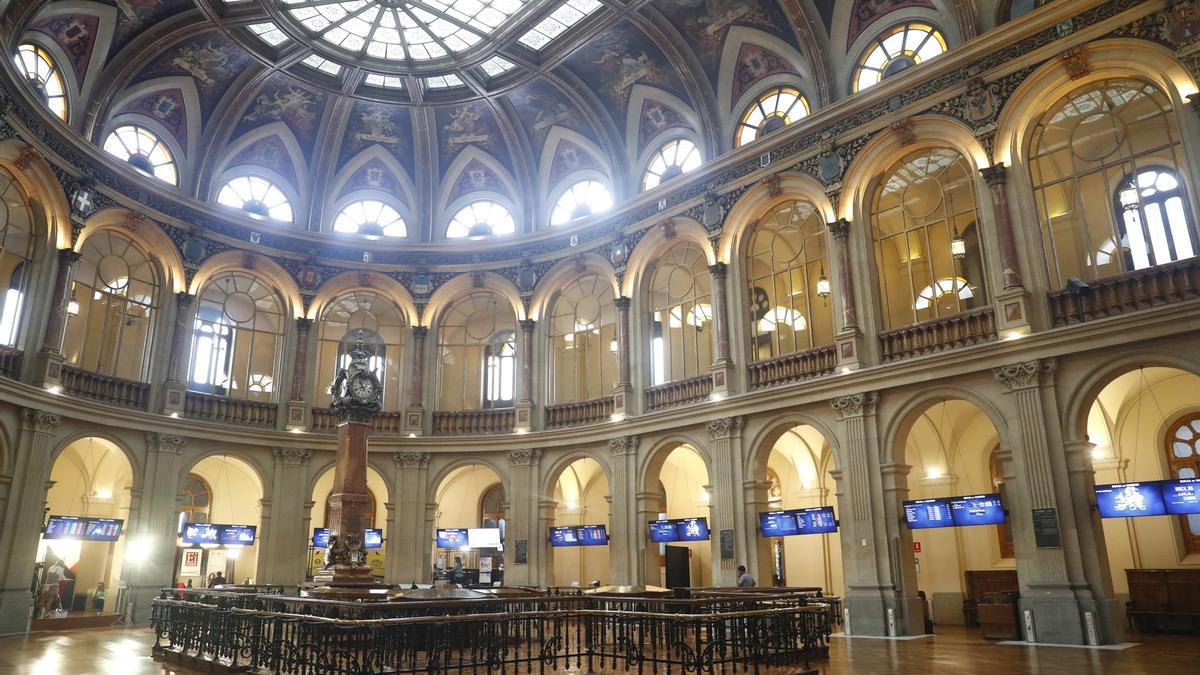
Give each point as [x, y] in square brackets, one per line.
[404, 30]
[443, 81]
[497, 65]
[269, 33]
[323, 65]
[566, 15]
[388, 81]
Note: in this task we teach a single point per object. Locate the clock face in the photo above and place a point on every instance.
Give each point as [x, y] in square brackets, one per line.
[362, 389]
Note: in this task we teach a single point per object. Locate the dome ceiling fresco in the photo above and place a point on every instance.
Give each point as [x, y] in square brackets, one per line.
[433, 103]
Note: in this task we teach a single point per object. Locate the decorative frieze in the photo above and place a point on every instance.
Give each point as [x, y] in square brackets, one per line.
[724, 428]
[623, 445]
[524, 456]
[855, 405]
[1024, 375]
[165, 443]
[40, 421]
[411, 460]
[292, 456]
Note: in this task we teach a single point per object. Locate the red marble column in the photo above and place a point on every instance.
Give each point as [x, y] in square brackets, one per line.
[840, 229]
[527, 359]
[720, 310]
[622, 304]
[997, 181]
[416, 384]
[177, 363]
[300, 367]
[56, 325]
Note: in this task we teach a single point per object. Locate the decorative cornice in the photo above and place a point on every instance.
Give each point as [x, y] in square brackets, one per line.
[623, 445]
[855, 405]
[524, 456]
[293, 456]
[411, 460]
[724, 428]
[40, 421]
[1026, 375]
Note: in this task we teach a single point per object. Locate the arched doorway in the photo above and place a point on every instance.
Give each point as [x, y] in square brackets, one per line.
[376, 515]
[581, 494]
[224, 490]
[678, 480]
[471, 497]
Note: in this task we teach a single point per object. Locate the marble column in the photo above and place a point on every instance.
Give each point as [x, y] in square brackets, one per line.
[722, 368]
[1066, 596]
[297, 409]
[726, 504]
[281, 553]
[623, 541]
[414, 415]
[621, 401]
[524, 404]
[177, 364]
[849, 340]
[22, 524]
[881, 595]
[996, 177]
[408, 552]
[151, 535]
[524, 476]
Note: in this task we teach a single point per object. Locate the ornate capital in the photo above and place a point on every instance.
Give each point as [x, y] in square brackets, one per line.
[726, 427]
[527, 325]
[420, 331]
[839, 228]
[41, 421]
[184, 300]
[524, 456]
[1026, 375]
[996, 174]
[411, 460]
[169, 443]
[68, 256]
[622, 303]
[855, 405]
[623, 445]
[718, 271]
[303, 325]
[294, 456]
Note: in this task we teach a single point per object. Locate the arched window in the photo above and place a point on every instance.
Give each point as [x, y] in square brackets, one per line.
[1108, 173]
[378, 321]
[195, 499]
[581, 200]
[143, 150]
[16, 255]
[483, 218]
[927, 250]
[895, 49]
[370, 218]
[236, 338]
[44, 76]
[583, 341]
[1183, 460]
[680, 312]
[787, 262]
[775, 109]
[476, 353]
[257, 196]
[110, 318]
[675, 158]
[491, 507]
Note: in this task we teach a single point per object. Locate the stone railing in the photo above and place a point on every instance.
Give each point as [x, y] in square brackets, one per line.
[950, 332]
[323, 419]
[10, 362]
[229, 410]
[105, 388]
[576, 413]
[679, 393]
[789, 368]
[1129, 292]
[456, 422]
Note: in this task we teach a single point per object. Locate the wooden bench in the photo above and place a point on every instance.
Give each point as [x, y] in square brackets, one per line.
[985, 582]
[1163, 600]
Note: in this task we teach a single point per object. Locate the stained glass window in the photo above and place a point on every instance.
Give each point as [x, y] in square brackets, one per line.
[895, 49]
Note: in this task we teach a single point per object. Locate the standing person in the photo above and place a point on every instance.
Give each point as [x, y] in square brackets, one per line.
[458, 570]
[218, 580]
[50, 588]
[744, 578]
[98, 598]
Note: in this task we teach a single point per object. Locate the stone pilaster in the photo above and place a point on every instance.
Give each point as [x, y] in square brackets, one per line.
[624, 535]
[1012, 302]
[281, 554]
[23, 521]
[177, 364]
[849, 339]
[646, 507]
[523, 420]
[757, 498]
[621, 403]
[1066, 592]
[722, 368]
[408, 548]
[544, 576]
[414, 415]
[523, 496]
[50, 358]
[727, 506]
[297, 409]
[152, 533]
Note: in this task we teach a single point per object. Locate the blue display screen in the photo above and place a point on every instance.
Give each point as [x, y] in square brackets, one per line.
[452, 538]
[815, 520]
[593, 535]
[373, 538]
[84, 529]
[691, 529]
[926, 513]
[236, 535]
[1181, 496]
[663, 531]
[564, 536]
[977, 510]
[320, 537]
[102, 529]
[1127, 500]
[200, 533]
[778, 523]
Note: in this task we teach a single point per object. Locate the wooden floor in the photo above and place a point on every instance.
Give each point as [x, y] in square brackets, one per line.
[119, 651]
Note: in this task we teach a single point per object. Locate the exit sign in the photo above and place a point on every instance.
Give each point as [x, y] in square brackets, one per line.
[916, 547]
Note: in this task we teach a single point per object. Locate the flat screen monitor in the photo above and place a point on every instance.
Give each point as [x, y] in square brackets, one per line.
[200, 533]
[373, 538]
[103, 529]
[483, 537]
[691, 529]
[320, 537]
[564, 536]
[663, 531]
[1127, 500]
[1181, 496]
[976, 510]
[778, 523]
[451, 538]
[593, 535]
[814, 520]
[236, 535]
[926, 513]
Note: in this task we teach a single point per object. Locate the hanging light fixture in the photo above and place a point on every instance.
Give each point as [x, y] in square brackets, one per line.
[823, 284]
[958, 247]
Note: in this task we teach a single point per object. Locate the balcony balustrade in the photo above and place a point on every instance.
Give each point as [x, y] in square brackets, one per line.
[324, 420]
[794, 367]
[577, 413]
[680, 392]
[105, 388]
[464, 422]
[230, 410]
[950, 332]
[10, 362]
[1116, 295]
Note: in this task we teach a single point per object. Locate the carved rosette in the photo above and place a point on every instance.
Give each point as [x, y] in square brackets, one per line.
[1026, 375]
[294, 456]
[724, 428]
[411, 460]
[623, 445]
[855, 405]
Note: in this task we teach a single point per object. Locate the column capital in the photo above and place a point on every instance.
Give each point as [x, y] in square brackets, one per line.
[839, 228]
[623, 445]
[718, 270]
[525, 457]
[68, 256]
[996, 174]
[184, 299]
[1025, 375]
[855, 405]
[40, 421]
[292, 456]
[411, 460]
[622, 303]
[420, 331]
[527, 325]
[168, 443]
[724, 428]
[304, 323]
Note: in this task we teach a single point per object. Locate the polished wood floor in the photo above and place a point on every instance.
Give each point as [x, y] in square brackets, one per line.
[127, 652]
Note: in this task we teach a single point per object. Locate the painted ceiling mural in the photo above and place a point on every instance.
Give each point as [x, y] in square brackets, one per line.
[233, 93]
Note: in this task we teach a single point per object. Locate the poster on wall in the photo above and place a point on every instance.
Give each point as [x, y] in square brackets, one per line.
[189, 565]
[217, 559]
[485, 570]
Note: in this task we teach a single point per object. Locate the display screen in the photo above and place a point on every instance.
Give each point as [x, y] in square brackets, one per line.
[451, 538]
[679, 529]
[925, 513]
[373, 538]
[593, 535]
[85, 529]
[320, 537]
[236, 535]
[564, 536]
[200, 533]
[778, 523]
[1181, 496]
[1126, 500]
[663, 531]
[815, 520]
[483, 537]
[977, 510]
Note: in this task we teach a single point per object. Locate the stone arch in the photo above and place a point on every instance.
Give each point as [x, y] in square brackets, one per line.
[334, 195]
[652, 462]
[655, 242]
[546, 162]
[556, 468]
[348, 282]
[635, 151]
[447, 204]
[563, 273]
[461, 285]
[384, 476]
[258, 471]
[192, 108]
[228, 158]
[147, 235]
[730, 109]
[444, 472]
[901, 422]
[253, 265]
[1080, 397]
[43, 190]
[759, 200]
[762, 441]
[135, 462]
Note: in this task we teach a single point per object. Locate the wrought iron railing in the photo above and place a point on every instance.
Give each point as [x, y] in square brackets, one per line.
[588, 633]
[457, 422]
[579, 412]
[10, 362]
[105, 388]
[950, 332]
[795, 367]
[229, 410]
[323, 419]
[1126, 293]
[680, 392]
